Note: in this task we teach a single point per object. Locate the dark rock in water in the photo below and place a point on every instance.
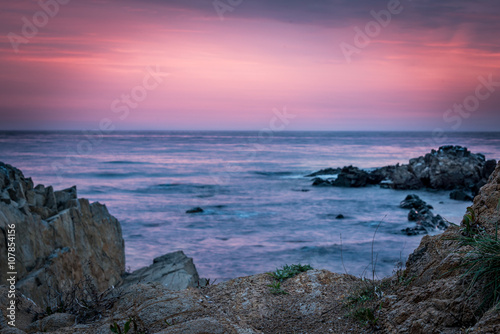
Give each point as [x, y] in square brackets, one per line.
[421, 213]
[413, 215]
[195, 210]
[319, 182]
[448, 168]
[461, 195]
[351, 177]
[327, 171]
[414, 230]
[402, 177]
[340, 217]
[414, 202]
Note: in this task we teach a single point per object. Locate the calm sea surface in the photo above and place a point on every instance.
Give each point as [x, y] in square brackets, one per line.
[260, 210]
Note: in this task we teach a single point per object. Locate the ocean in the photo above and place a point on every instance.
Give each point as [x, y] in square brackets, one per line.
[261, 212]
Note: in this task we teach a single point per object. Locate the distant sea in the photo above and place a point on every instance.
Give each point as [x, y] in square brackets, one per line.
[260, 210]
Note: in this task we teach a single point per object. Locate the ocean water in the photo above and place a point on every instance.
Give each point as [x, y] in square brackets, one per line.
[260, 210]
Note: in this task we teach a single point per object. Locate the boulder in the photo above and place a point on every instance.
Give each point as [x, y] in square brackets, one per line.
[175, 271]
[461, 195]
[53, 322]
[59, 239]
[414, 202]
[421, 213]
[351, 177]
[319, 182]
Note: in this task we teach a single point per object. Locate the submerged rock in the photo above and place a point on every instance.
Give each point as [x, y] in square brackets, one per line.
[461, 195]
[195, 210]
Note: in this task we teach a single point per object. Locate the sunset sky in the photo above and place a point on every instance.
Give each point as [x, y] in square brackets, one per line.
[227, 64]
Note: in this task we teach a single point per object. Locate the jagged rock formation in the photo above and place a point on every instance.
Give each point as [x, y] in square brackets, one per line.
[421, 213]
[436, 299]
[448, 168]
[60, 239]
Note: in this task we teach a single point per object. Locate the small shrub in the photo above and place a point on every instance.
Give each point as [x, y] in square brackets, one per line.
[365, 315]
[282, 274]
[83, 300]
[289, 271]
[481, 259]
[482, 265]
[115, 328]
[363, 304]
[276, 288]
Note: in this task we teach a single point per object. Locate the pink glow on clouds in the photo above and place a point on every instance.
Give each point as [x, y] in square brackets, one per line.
[231, 74]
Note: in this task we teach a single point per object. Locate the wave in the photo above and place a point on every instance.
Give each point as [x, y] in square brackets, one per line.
[271, 174]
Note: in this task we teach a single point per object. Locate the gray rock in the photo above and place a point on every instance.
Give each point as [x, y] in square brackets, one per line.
[66, 198]
[57, 248]
[351, 177]
[53, 322]
[175, 271]
[421, 213]
[460, 195]
[205, 325]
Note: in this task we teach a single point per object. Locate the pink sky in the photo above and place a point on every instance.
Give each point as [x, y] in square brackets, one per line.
[231, 73]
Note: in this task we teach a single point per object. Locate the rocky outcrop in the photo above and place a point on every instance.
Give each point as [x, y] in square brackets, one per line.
[313, 304]
[175, 271]
[436, 298]
[448, 168]
[421, 213]
[327, 171]
[59, 238]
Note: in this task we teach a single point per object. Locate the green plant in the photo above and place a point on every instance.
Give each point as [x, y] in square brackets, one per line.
[482, 265]
[363, 303]
[282, 274]
[276, 288]
[366, 316]
[469, 223]
[289, 271]
[115, 328]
